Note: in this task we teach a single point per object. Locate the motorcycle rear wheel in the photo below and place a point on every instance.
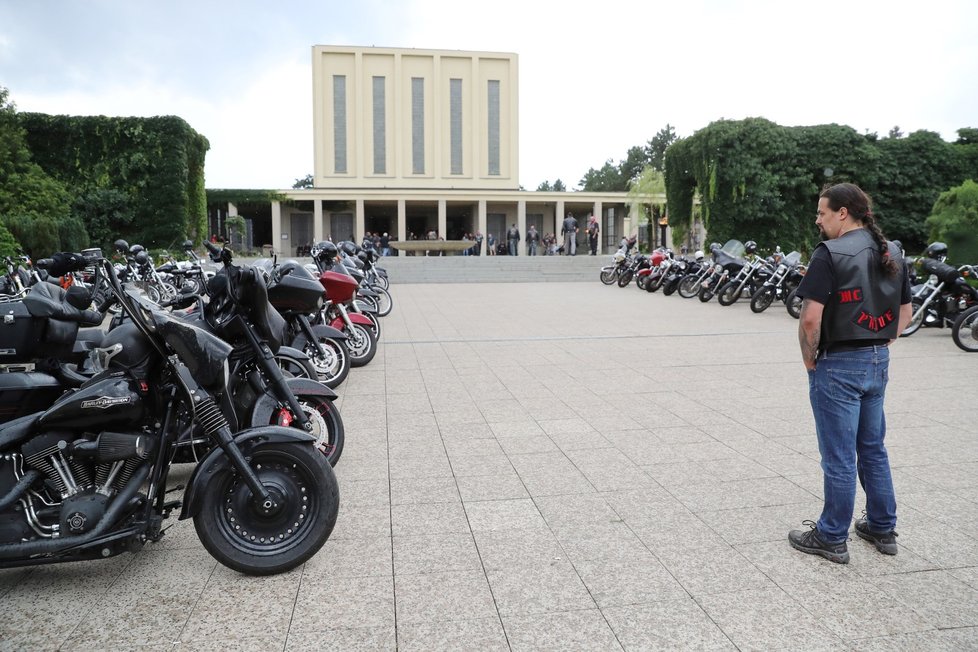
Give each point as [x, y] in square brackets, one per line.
[304, 487]
[608, 276]
[762, 299]
[965, 330]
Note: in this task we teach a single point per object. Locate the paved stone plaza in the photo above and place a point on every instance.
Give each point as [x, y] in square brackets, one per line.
[569, 466]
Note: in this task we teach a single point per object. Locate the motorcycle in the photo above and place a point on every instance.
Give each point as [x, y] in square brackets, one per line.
[339, 310]
[964, 332]
[86, 478]
[776, 285]
[690, 284]
[744, 281]
[942, 298]
[728, 261]
[621, 259]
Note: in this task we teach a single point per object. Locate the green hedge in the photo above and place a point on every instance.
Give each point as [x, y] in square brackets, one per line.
[758, 180]
[155, 165]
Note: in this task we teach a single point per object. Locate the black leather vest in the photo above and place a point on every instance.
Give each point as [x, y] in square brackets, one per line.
[865, 302]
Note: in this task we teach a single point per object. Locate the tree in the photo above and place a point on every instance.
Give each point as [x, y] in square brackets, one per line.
[559, 186]
[607, 179]
[656, 149]
[304, 182]
[544, 187]
[8, 243]
[895, 133]
[636, 160]
[954, 220]
[106, 213]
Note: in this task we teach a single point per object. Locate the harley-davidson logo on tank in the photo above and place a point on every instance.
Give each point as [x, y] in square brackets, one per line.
[103, 402]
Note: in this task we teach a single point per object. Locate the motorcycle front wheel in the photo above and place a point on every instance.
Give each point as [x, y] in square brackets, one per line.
[362, 344]
[706, 293]
[965, 330]
[327, 425]
[689, 286]
[243, 538]
[295, 367]
[625, 278]
[333, 366]
[728, 293]
[608, 276]
[642, 281]
[762, 299]
[385, 303]
[793, 304]
[917, 318]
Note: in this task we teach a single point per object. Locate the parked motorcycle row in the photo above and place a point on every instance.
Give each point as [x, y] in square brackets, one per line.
[112, 372]
[941, 294]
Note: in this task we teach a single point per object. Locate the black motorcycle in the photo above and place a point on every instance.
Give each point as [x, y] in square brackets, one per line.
[86, 478]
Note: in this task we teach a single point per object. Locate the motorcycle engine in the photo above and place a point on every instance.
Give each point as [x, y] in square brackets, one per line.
[81, 476]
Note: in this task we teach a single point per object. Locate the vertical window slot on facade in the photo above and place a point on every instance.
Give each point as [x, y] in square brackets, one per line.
[417, 125]
[455, 113]
[339, 124]
[493, 114]
[380, 127]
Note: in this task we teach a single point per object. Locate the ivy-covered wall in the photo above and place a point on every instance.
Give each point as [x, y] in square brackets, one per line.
[758, 180]
[141, 179]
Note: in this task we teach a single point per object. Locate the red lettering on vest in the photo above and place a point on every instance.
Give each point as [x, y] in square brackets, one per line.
[874, 323]
[850, 295]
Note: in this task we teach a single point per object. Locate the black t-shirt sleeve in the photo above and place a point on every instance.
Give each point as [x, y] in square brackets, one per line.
[819, 279]
[905, 292]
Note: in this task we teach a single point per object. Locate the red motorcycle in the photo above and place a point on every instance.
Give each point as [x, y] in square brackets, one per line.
[339, 310]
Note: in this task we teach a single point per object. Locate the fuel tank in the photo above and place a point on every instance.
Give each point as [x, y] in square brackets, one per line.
[110, 399]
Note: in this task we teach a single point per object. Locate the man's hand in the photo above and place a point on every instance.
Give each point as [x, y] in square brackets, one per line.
[810, 331]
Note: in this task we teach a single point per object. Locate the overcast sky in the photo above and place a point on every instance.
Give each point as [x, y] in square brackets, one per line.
[595, 77]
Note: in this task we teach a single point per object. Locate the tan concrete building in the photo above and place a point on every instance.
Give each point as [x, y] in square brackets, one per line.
[412, 141]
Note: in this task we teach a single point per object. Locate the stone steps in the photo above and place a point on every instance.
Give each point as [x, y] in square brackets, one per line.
[493, 269]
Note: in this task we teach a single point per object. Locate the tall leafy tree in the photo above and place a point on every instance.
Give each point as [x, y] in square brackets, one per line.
[954, 220]
[606, 179]
[656, 148]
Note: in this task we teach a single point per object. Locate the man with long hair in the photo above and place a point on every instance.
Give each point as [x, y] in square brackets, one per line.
[856, 302]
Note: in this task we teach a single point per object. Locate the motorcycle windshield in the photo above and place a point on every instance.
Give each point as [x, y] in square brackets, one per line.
[792, 259]
[204, 354]
[734, 248]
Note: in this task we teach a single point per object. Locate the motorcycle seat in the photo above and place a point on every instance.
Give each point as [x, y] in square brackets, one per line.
[50, 301]
[16, 431]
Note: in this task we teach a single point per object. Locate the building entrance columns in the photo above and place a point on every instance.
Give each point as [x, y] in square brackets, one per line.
[401, 221]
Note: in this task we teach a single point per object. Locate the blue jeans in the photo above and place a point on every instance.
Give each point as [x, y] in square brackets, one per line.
[846, 391]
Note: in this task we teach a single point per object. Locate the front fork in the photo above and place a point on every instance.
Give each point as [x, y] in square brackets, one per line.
[215, 425]
[310, 337]
[272, 372]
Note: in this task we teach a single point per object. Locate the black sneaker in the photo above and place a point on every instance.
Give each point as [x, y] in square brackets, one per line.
[811, 542]
[885, 542]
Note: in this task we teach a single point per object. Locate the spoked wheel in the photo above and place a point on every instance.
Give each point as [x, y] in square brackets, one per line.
[625, 278]
[689, 287]
[333, 366]
[255, 540]
[965, 330]
[384, 302]
[383, 282]
[917, 318]
[642, 281]
[793, 304]
[362, 344]
[608, 276]
[762, 299]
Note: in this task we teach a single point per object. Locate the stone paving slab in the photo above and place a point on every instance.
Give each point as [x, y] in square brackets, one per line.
[569, 466]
